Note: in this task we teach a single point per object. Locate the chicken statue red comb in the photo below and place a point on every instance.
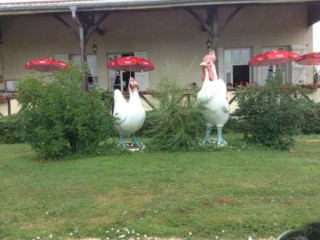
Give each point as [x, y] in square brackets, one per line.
[211, 56]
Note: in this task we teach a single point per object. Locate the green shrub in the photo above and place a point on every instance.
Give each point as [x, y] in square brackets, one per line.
[269, 114]
[315, 75]
[147, 127]
[11, 129]
[178, 122]
[60, 118]
[310, 122]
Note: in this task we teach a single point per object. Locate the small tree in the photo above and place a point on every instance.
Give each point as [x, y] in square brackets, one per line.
[59, 117]
[268, 113]
[178, 122]
[315, 75]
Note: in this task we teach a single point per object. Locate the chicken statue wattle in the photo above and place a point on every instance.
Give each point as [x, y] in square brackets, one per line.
[129, 116]
[213, 95]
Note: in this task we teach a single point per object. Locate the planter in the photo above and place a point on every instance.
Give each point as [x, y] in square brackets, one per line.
[308, 89]
[3, 99]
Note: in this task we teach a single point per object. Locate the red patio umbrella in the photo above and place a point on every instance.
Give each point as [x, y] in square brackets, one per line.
[45, 65]
[312, 58]
[130, 63]
[273, 57]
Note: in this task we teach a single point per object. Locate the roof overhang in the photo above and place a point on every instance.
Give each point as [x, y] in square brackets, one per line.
[21, 7]
[313, 13]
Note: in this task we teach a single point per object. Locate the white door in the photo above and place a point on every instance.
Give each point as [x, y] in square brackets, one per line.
[114, 77]
[142, 78]
[92, 68]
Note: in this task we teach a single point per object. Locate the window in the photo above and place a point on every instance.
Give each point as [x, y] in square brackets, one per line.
[119, 80]
[270, 71]
[236, 68]
[92, 68]
[11, 85]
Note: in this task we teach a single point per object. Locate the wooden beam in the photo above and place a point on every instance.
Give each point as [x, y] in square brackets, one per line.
[212, 13]
[146, 100]
[74, 32]
[228, 19]
[91, 23]
[96, 25]
[201, 21]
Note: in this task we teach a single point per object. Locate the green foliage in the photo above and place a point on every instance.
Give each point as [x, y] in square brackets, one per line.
[177, 123]
[315, 75]
[310, 121]
[59, 117]
[11, 129]
[146, 129]
[268, 113]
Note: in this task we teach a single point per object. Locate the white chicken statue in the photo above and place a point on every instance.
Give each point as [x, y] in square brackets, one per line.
[129, 116]
[213, 95]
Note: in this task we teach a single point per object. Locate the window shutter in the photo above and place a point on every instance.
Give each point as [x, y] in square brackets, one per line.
[299, 72]
[142, 78]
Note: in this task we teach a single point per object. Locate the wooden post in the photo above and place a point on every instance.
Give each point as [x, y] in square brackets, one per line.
[212, 13]
[9, 105]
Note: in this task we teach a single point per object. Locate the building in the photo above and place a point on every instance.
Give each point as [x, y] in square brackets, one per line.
[174, 35]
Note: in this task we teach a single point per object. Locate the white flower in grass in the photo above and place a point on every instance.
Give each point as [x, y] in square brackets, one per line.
[51, 236]
[250, 238]
[107, 238]
[190, 233]
[71, 234]
[107, 231]
[122, 236]
[222, 231]
[38, 237]
[217, 237]
[118, 230]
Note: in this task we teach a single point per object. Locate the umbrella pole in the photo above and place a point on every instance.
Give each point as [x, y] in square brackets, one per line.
[121, 81]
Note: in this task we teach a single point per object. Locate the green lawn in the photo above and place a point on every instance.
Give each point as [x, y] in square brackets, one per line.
[232, 193]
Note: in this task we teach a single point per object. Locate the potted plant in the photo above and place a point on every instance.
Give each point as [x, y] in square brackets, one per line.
[2, 98]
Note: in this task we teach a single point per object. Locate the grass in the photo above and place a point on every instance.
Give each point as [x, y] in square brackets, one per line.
[233, 193]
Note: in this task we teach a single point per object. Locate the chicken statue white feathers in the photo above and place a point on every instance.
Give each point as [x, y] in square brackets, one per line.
[129, 116]
[213, 95]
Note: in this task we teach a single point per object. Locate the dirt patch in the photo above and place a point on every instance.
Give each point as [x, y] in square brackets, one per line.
[308, 140]
[223, 200]
[27, 225]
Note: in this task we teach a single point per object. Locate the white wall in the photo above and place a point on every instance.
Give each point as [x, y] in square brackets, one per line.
[173, 39]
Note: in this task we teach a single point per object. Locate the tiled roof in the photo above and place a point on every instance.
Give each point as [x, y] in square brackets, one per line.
[15, 7]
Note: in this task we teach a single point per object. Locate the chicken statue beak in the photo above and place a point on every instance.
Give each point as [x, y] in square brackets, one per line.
[203, 64]
[136, 85]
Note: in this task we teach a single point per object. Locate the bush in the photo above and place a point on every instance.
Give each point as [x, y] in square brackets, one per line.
[310, 122]
[269, 114]
[60, 118]
[11, 129]
[178, 122]
[147, 127]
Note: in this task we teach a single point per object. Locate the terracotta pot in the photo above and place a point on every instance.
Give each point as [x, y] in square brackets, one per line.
[3, 98]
